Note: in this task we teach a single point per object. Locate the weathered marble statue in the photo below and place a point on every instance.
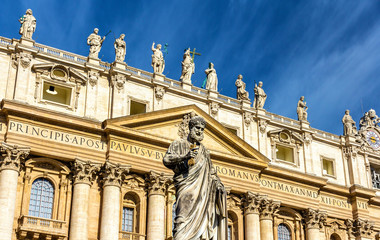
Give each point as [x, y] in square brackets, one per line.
[242, 94]
[188, 67]
[158, 62]
[349, 127]
[201, 210]
[260, 96]
[95, 42]
[302, 109]
[28, 24]
[212, 78]
[120, 47]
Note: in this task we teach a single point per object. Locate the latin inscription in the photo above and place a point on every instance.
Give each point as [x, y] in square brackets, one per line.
[137, 150]
[56, 136]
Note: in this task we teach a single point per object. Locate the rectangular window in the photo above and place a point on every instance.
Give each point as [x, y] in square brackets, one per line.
[233, 130]
[57, 94]
[284, 153]
[328, 167]
[137, 108]
[127, 222]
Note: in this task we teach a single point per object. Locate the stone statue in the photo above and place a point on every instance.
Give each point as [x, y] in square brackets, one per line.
[188, 67]
[158, 62]
[242, 94]
[95, 42]
[370, 119]
[302, 109]
[28, 24]
[120, 48]
[260, 96]
[349, 127]
[201, 210]
[212, 78]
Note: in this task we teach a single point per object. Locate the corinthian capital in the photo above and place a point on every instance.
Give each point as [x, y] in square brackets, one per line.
[314, 218]
[84, 171]
[157, 183]
[12, 156]
[114, 174]
[252, 202]
[269, 208]
[360, 227]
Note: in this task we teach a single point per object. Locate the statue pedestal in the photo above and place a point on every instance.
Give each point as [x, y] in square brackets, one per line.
[212, 94]
[245, 104]
[186, 86]
[93, 61]
[350, 139]
[261, 112]
[304, 124]
[120, 65]
[27, 42]
[159, 76]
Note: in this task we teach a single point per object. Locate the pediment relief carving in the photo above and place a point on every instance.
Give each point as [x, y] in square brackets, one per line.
[47, 164]
[60, 73]
[286, 136]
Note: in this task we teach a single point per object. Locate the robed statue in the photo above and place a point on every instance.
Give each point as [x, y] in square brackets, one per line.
[212, 78]
[302, 109]
[120, 47]
[201, 210]
[158, 62]
[349, 125]
[28, 24]
[95, 42]
[188, 67]
[260, 96]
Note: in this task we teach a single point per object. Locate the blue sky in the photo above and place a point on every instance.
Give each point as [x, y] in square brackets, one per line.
[328, 51]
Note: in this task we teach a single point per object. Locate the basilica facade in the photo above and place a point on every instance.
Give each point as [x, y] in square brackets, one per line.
[83, 143]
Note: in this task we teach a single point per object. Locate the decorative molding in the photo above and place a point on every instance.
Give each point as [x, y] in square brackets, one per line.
[84, 171]
[263, 125]
[93, 78]
[12, 156]
[159, 92]
[113, 174]
[252, 202]
[14, 59]
[214, 108]
[25, 59]
[77, 92]
[134, 181]
[247, 118]
[118, 81]
[268, 208]
[360, 227]
[157, 183]
[314, 218]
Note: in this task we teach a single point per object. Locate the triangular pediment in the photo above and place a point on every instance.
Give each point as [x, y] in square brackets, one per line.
[166, 124]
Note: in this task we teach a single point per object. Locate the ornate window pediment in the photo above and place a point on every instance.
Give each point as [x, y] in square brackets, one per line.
[285, 146]
[285, 136]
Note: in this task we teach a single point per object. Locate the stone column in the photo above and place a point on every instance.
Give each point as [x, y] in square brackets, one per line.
[83, 177]
[10, 162]
[112, 178]
[268, 209]
[157, 185]
[252, 203]
[314, 220]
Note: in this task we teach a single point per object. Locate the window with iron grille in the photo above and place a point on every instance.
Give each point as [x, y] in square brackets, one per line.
[127, 222]
[283, 232]
[41, 198]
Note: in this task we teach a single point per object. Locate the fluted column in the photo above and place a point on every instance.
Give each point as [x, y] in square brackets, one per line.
[157, 185]
[252, 204]
[83, 177]
[268, 209]
[314, 220]
[112, 178]
[11, 160]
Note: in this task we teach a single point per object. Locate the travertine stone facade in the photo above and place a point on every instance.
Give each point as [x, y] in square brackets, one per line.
[69, 127]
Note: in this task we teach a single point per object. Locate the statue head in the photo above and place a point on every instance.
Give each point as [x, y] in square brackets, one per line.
[347, 112]
[260, 84]
[372, 113]
[302, 98]
[96, 30]
[29, 12]
[210, 65]
[240, 76]
[122, 36]
[159, 46]
[197, 125]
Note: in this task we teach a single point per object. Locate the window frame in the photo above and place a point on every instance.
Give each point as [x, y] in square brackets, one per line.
[130, 99]
[322, 157]
[70, 86]
[55, 196]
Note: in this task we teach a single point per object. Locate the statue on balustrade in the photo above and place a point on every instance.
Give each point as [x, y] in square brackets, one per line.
[158, 62]
[242, 94]
[212, 78]
[95, 42]
[349, 125]
[188, 67]
[260, 96]
[120, 47]
[201, 210]
[302, 109]
[28, 24]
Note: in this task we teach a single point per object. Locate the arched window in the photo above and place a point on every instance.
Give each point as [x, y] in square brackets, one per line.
[334, 237]
[283, 232]
[174, 214]
[41, 198]
[129, 222]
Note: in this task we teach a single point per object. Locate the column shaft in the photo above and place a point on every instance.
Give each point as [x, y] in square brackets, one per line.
[8, 191]
[266, 229]
[252, 226]
[109, 225]
[156, 217]
[312, 234]
[79, 212]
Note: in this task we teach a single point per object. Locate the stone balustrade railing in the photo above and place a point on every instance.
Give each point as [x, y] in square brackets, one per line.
[37, 225]
[131, 236]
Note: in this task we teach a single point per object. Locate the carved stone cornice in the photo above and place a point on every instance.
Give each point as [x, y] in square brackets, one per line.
[113, 174]
[359, 227]
[12, 156]
[268, 208]
[157, 183]
[314, 218]
[84, 171]
[252, 202]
